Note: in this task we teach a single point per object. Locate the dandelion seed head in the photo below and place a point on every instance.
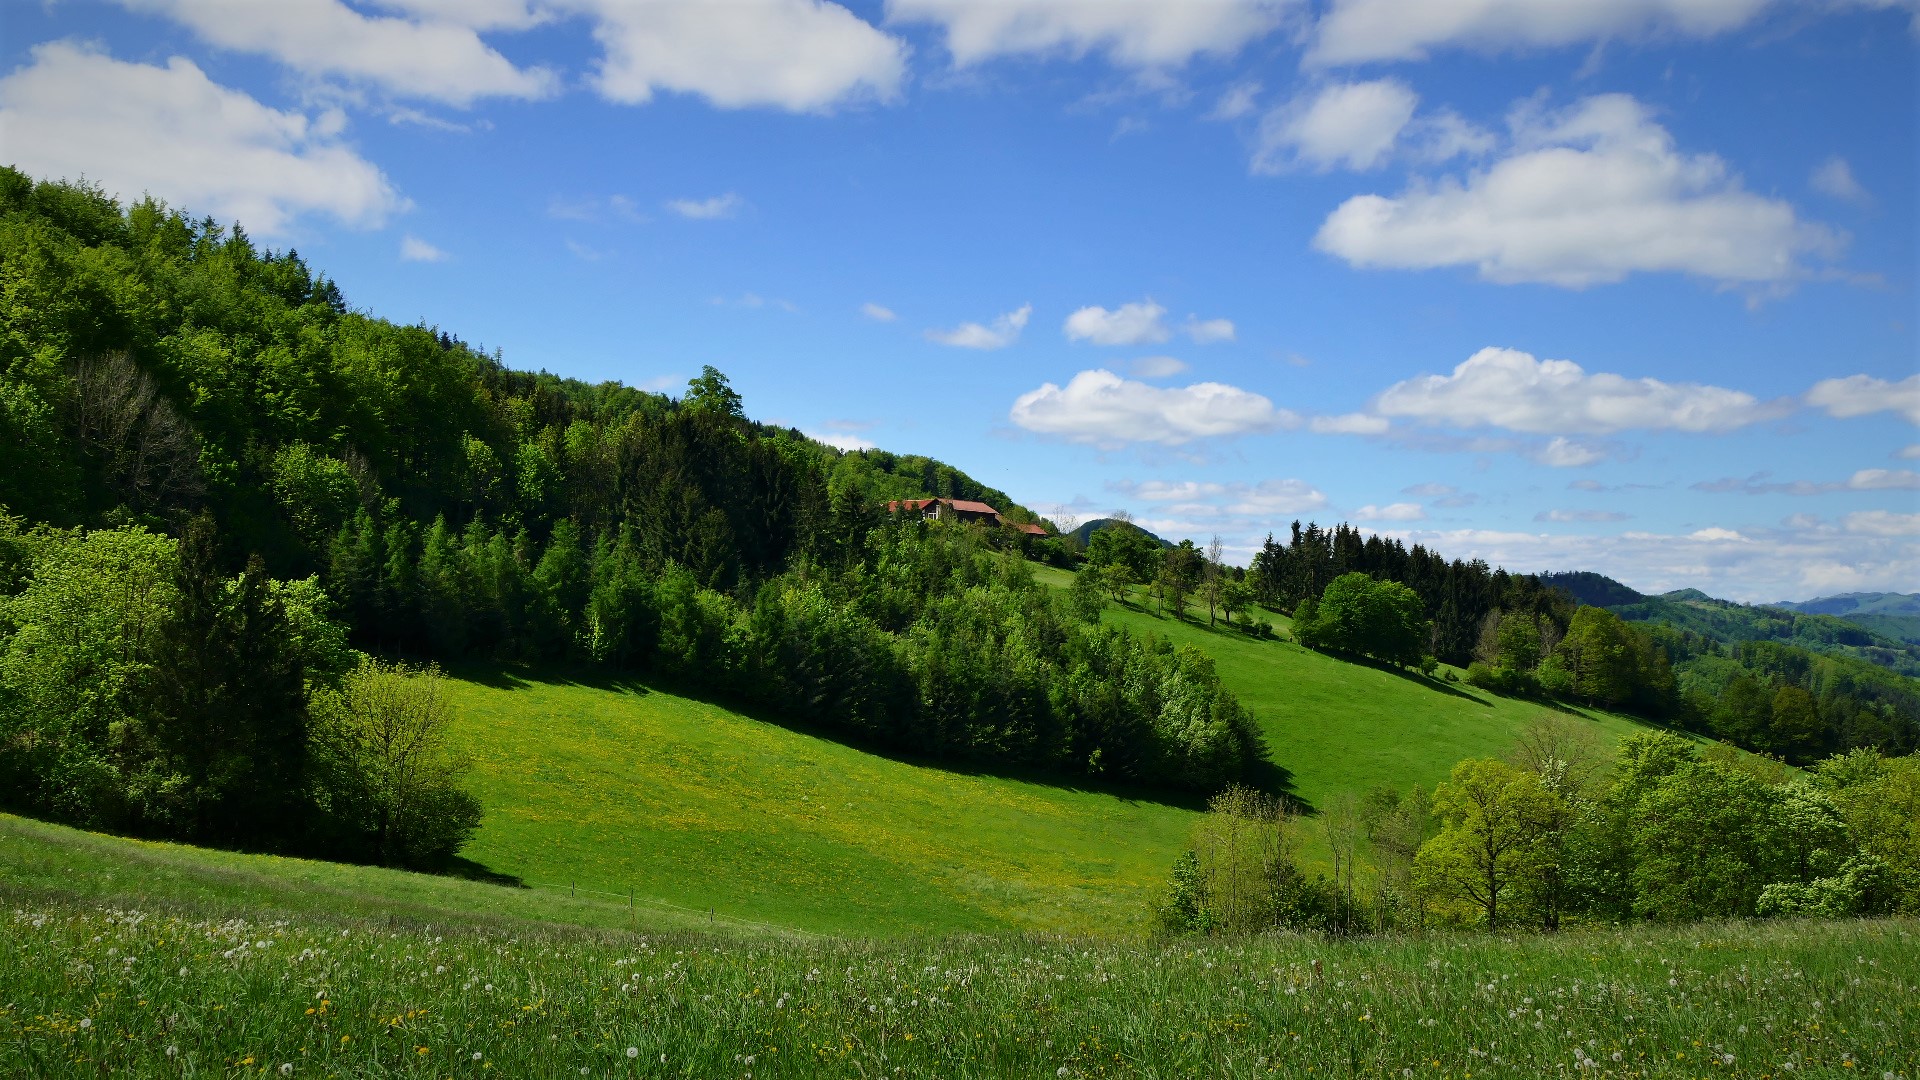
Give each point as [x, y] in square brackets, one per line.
[634, 1052]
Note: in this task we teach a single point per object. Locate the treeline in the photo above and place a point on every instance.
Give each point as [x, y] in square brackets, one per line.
[1557, 834]
[144, 691]
[1457, 596]
[919, 636]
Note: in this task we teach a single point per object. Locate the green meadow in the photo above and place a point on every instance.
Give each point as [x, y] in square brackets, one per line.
[96, 988]
[610, 788]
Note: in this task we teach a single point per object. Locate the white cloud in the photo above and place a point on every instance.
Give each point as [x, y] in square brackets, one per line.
[1237, 102]
[1129, 324]
[1585, 196]
[1136, 33]
[799, 55]
[1354, 31]
[1564, 453]
[439, 60]
[719, 206]
[1002, 332]
[1510, 389]
[840, 440]
[477, 14]
[1883, 523]
[172, 132]
[1404, 511]
[1215, 502]
[1884, 480]
[877, 313]
[1910, 452]
[1208, 331]
[1568, 516]
[1859, 395]
[1156, 367]
[1430, 490]
[1835, 177]
[414, 249]
[1349, 424]
[1104, 409]
[1346, 125]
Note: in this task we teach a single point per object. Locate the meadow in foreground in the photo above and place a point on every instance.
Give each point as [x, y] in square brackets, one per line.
[87, 990]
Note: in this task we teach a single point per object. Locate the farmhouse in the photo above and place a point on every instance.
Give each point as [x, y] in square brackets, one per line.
[958, 510]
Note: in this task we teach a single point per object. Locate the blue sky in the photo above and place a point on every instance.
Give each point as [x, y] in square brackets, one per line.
[1564, 284]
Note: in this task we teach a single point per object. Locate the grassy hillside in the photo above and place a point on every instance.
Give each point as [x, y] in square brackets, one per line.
[614, 788]
[1341, 727]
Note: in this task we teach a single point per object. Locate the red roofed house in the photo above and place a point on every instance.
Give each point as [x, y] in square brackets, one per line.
[958, 510]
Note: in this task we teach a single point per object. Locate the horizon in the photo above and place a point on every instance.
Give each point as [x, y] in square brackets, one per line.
[1628, 292]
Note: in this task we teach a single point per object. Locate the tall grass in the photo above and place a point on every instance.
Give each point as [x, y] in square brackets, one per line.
[93, 991]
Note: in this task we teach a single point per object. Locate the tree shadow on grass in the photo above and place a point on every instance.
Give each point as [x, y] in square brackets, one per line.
[1264, 775]
[463, 867]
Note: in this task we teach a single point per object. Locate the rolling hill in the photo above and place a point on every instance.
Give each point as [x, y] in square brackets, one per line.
[1892, 615]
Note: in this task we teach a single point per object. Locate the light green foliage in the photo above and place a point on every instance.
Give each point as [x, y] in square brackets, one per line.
[387, 779]
[1518, 637]
[317, 493]
[320, 641]
[1086, 597]
[1494, 818]
[710, 392]
[79, 649]
[1880, 799]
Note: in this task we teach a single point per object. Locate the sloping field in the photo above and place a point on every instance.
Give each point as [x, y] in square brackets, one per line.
[1337, 726]
[622, 788]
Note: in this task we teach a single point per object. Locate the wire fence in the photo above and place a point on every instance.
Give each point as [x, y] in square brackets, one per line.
[635, 901]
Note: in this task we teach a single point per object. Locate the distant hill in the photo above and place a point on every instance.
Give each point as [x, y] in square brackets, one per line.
[1085, 531]
[1889, 614]
[1884, 632]
[1596, 590]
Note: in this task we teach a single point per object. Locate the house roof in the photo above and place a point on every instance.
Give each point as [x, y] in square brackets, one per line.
[965, 506]
[1035, 530]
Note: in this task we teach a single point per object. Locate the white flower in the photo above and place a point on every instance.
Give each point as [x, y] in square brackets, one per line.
[85, 1023]
[634, 1052]
[1062, 1072]
[476, 1055]
[286, 1069]
[439, 969]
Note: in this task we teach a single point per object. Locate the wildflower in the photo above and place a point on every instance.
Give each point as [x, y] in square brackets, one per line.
[85, 1023]
[1062, 1072]
[173, 1051]
[286, 1068]
[476, 1055]
[634, 1052]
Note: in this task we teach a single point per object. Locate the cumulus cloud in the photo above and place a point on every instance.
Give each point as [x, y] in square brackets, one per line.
[1103, 409]
[1401, 511]
[798, 55]
[1345, 125]
[1138, 323]
[1859, 395]
[840, 440]
[877, 313]
[1584, 196]
[1349, 424]
[1564, 453]
[709, 209]
[999, 334]
[1215, 503]
[1156, 367]
[1135, 33]
[437, 59]
[1883, 523]
[1208, 331]
[1835, 177]
[1356, 31]
[414, 249]
[1507, 388]
[172, 132]
[1567, 516]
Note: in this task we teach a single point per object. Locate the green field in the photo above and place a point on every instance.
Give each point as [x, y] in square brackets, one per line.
[94, 983]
